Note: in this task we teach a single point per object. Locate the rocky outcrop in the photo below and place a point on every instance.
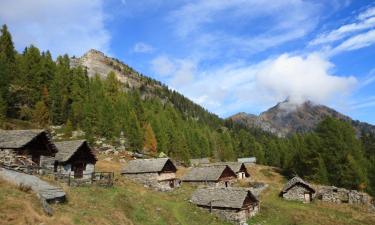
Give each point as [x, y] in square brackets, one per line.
[97, 63]
[287, 118]
[43, 189]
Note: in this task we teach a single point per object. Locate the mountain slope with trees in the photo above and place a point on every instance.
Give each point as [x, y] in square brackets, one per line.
[36, 89]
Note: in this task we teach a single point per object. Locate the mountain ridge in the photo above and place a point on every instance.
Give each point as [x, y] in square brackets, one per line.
[286, 118]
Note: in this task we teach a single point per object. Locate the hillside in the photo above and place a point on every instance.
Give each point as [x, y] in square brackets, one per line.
[286, 118]
[97, 63]
[130, 203]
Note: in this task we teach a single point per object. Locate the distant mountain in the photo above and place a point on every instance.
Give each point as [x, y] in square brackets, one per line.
[287, 118]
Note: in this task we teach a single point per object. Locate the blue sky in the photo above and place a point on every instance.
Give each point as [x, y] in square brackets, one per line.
[229, 56]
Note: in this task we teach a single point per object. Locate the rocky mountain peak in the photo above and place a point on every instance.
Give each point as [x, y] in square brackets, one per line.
[96, 62]
[287, 117]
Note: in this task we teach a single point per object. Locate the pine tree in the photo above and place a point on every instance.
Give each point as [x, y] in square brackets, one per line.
[68, 129]
[7, 64]
[134, 132]
[2, 111]
[149, 140]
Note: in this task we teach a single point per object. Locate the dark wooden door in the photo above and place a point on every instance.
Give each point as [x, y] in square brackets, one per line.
[36, 159]
[78, 170]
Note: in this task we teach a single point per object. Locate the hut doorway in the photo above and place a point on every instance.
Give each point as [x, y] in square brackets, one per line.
[78, 170]
[36, 159]
[171, 183]
[226, 183]
[307, 197]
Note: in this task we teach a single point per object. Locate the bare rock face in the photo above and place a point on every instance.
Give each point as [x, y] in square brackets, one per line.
[286, 118]
[97, 63]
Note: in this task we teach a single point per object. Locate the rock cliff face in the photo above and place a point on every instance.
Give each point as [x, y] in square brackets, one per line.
[286, 118]
[98, 63]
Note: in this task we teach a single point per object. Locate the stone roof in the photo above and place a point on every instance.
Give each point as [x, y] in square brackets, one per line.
[199, 161]
[146, 165]
[14, 139]
[235, 166]
[68, 148]
[247, 160]
[205, 173]
[228, 197]
[294, 181]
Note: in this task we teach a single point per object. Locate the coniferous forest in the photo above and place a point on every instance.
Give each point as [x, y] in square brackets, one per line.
[38, 89]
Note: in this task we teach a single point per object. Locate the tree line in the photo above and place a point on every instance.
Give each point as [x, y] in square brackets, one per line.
[43, 91]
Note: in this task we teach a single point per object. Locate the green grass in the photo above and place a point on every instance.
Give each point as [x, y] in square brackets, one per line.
[131, 202]
[277, 211]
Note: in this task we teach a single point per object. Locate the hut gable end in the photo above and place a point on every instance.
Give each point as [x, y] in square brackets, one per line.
[78, 150]
[35, 141]
[209, 173]
[297, 181]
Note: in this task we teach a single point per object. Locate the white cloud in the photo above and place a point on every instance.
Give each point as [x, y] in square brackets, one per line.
[356, 42]
[236, 87]
[61, 26]
[301, 79]
[208, 20]
[344, 31]
[368, 102]
[141, 47]
[349, 37]
[370, 12]
[162, 65]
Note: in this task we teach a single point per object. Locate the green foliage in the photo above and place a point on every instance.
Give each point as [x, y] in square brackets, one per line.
[40, 114]
[2, 110]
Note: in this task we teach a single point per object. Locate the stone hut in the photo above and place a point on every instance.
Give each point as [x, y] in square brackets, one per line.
[25, 149]
[341, 195]
[199, 161]
[237, 167]
[236, 205]
[157, 173]
[221, 175]
[75, 158]
[298, 189]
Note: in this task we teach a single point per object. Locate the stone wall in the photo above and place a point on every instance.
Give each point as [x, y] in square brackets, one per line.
[7, 156]
[297, 192]
[166, 176]
[233, 215]
[341, 195]
[154, 180]
[67, 169]
[47, 163]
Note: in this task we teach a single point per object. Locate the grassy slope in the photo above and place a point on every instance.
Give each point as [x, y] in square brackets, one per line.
[275, 210]
[130, 203]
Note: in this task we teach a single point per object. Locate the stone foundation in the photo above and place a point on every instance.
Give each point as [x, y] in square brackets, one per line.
[341, 195]
[162, 182]
[233, 215]
[297, 192]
